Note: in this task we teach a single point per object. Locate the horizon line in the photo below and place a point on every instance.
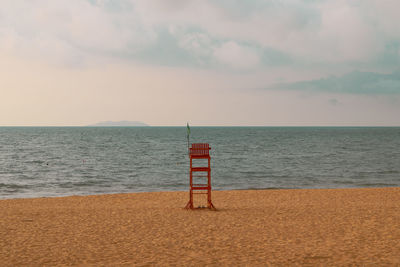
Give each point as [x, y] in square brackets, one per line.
[146, 126]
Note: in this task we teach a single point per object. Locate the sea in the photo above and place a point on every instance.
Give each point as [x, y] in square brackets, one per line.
[64, 161]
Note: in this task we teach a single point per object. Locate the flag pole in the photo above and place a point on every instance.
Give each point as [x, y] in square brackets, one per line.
[188, 134]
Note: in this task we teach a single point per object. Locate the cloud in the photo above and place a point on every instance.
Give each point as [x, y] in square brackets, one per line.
[333, 101]
[58, 31]
[234, 34]
[352, 83]
[331, 32]
[334, 31]
[237, 56]
[197, 43]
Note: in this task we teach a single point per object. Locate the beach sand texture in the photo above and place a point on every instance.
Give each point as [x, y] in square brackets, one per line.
[253, 227]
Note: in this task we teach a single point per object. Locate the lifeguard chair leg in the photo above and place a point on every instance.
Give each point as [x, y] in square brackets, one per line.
[189, 205]
[209, 203]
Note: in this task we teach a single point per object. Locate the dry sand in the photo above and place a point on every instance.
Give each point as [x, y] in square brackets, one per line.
[258, 227]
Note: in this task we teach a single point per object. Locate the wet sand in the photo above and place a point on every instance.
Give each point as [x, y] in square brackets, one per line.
[253, 227]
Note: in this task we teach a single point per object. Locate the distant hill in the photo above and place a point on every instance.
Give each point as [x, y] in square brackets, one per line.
[119, 123]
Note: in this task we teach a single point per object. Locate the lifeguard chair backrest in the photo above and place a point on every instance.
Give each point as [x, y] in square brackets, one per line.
[200, 149]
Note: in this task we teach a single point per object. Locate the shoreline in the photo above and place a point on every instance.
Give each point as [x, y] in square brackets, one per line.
[343, 226]
[213, 190]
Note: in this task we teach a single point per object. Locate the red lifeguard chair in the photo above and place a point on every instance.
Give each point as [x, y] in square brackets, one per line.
[200, 151]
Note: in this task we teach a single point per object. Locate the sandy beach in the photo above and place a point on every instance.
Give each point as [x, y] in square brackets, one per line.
[254, 227]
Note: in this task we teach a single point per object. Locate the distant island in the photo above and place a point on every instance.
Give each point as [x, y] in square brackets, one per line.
[119, 123]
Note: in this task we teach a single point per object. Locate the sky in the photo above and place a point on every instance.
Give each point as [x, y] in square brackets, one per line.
[215, 63]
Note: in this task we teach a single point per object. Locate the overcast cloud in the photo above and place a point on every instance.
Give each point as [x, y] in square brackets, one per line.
[237, 46]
